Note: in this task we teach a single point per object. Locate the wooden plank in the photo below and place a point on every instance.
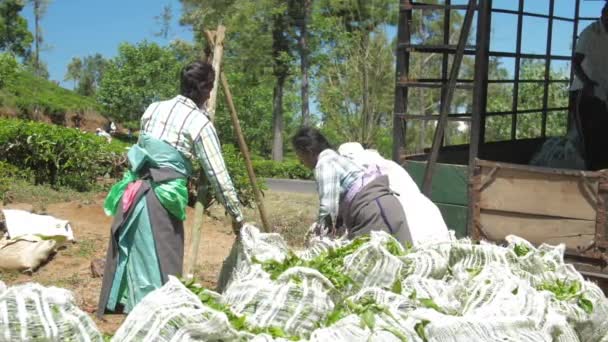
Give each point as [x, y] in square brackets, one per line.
[455, 216]
[496, 225]
[449, 182]
[530, 192]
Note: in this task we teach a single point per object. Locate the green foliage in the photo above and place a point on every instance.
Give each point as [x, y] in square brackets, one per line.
[249, 65]
[8, 69]
[86, 73]
[521, 250]
[8, 173]
[57, 155]
[30, 94]
[568, 290]
[287, 169]
[329, 263]
[235, 164]
[139, 75]
[14, 34]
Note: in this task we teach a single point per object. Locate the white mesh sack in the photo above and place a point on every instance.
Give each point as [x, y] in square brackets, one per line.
[296, 302]
[372, 264]
[32, 312]
[173, 313]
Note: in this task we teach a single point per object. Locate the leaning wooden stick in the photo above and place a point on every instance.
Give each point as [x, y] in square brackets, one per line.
[245, 152]
[216, 40]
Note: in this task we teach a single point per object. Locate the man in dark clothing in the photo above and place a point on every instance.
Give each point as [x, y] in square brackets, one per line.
[590, 88]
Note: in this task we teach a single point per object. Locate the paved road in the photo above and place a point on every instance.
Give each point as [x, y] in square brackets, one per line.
[291, 185]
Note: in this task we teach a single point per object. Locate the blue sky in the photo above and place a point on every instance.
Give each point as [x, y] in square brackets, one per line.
[76, 28]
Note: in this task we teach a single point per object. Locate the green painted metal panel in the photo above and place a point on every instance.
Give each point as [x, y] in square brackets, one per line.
[449, 182]
[455, 216]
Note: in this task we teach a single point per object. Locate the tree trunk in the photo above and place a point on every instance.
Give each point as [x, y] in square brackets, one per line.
[304, 54]
[277, 120]
[37, 38]
[280, 47]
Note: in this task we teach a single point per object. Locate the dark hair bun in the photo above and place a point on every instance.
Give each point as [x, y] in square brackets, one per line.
[197, 81]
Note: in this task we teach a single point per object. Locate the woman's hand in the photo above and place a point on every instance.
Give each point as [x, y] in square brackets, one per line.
[237, 226]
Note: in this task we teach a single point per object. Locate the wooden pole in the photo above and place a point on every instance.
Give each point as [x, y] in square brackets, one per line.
[245, 152]
[215, 39]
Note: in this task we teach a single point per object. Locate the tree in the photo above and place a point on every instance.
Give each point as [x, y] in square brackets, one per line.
[8, 69]
[40, 7]
[356, 100]
[281, 56]
[356, 71]
[301, 12]
[139, 75]
[164, 22]
[74, 72]
[14, 34]
[254, 57]
[86, 73]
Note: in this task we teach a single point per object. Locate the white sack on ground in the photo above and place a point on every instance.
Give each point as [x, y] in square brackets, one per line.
[25, 253]
[20, 223]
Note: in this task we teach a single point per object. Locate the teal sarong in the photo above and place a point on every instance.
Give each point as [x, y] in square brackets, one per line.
[138, 270]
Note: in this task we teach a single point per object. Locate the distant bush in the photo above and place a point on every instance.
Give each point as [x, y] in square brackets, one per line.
[8, 174]
[8, 69]
[57, 155]
[288, 169]
[33, 95]
[237, 171]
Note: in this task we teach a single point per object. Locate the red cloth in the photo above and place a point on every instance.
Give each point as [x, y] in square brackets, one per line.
[129, 196]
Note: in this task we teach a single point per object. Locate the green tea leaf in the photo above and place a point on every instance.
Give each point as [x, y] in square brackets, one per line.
[419, 328]
[585, 304]
[369, 319]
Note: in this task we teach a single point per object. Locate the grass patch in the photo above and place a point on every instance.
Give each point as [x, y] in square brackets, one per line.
[82, 249]
[70, 282]
[290, 214]
[40, 196]
[9, 276]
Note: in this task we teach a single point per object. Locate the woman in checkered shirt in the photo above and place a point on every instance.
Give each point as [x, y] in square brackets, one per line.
[352, 200]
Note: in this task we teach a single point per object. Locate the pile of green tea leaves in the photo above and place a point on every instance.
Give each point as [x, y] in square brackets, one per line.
[237, 322]
[568, 290]
[329, 263]
[373, 289]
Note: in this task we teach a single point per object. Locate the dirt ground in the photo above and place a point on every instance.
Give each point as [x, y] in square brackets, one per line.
[70, 267]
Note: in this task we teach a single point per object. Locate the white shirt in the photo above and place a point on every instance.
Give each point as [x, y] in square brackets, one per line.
[593, 43]
[424, 220]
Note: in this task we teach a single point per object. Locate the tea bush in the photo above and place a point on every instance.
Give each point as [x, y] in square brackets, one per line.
[57, 155]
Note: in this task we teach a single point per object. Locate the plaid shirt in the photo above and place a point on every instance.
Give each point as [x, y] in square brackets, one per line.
[334, 175]
[184, 126]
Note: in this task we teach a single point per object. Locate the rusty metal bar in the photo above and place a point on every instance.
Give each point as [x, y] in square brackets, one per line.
[467, 115]
[416, 84]
[539, 169]
[484, 23]
[526, 111]
[445, 56]
[543, 127]
[402, 70]
[514, 104]
[446, 102]
[423, 6]
[489, 81]
[529, 55]
[530, 14]
[573, 45]
[451, 117]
